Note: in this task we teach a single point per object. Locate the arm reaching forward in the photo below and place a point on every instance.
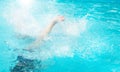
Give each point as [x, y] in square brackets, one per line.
[48, 29]
[45, 32]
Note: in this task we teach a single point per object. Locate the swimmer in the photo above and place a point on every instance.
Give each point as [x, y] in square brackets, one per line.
[27, 65]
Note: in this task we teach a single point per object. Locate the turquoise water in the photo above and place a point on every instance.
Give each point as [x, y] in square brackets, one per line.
[87, 41]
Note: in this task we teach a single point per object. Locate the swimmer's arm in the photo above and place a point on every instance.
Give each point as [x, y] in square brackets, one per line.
[45, 32]
[49, 28]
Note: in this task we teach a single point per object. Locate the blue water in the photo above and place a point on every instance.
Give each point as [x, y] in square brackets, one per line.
[87, 41]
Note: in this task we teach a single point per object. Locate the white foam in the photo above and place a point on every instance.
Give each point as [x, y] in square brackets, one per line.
[72, 29]
[76, 28]
[24, 23]
[63, 51]
[21, 18]
[54, 51]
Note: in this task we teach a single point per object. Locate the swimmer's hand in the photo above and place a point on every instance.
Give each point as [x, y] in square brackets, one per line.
[59, 19]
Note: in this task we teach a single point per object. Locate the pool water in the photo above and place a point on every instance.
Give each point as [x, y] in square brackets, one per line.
[87, 41]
